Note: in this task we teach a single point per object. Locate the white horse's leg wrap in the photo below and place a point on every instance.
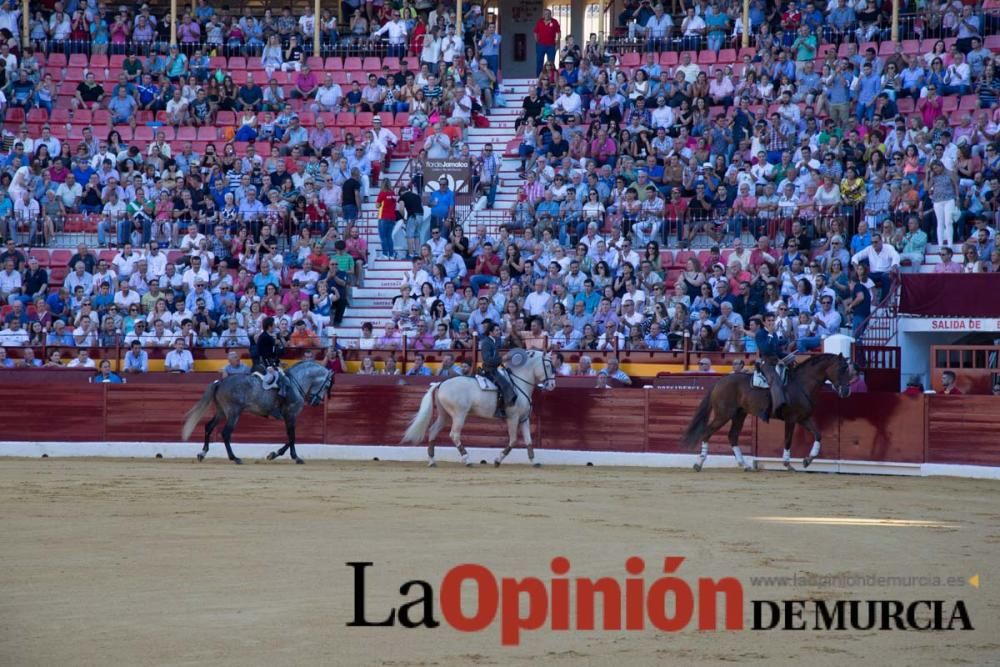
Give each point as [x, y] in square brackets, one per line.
[814, 452]
[738, 453]
[786, 456]
[465, 458]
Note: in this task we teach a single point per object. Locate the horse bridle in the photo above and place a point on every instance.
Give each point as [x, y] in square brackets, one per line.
[546, 365]
[316, 398]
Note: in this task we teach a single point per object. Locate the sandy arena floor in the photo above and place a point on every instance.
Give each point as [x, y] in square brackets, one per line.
[174, 563]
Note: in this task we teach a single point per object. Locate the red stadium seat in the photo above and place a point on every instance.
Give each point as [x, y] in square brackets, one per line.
[99, 61]
[55, 61]
[208, 133]
[333, 64]
[315, 62]
[706, 57]
[59, 115]
[42, 255]
[124, 131]
[352, 63]
[77, 60]
[225, 118]
[668, 59]
[630, 60]
[60, 257]
[38, 116]
[727, 56]
[187, 134]
[73, 76]
[371, 64]
[57, 274]
[143, 133]
[83, 117]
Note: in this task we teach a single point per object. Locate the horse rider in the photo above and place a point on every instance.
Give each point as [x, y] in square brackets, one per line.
[489, 349]
[771, 351]
[269, 349]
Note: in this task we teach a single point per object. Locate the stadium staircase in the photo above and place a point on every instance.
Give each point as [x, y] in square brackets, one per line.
[373, 302]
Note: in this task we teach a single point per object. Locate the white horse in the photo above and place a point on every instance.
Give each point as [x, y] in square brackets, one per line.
[458, 396]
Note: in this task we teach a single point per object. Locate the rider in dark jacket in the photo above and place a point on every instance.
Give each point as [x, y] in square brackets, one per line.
[269, 349]
[489, 349]
[771, 350]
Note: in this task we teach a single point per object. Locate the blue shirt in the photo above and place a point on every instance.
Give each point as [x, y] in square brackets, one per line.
[838, 92]
[658, 342]
[110, 379]
[442, 203]
[261, 281]
[423, 370]
[55, 339]
[869, 87]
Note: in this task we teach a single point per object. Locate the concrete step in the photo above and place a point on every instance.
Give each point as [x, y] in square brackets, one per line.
[378, 322]
[376, 291]
[373, 303]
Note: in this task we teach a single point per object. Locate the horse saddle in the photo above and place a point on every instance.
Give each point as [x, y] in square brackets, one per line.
[485, 383]
[759, 380]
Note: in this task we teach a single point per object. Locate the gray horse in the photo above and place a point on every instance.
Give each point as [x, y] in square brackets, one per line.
[306, 381]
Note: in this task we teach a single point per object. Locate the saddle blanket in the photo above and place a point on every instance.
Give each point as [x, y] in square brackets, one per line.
[485, 383]
[760, 381]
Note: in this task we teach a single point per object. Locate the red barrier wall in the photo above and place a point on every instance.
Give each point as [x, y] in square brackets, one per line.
[35, 406]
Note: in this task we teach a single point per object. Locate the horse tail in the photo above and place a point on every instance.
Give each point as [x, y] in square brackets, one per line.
[195, 413]
[695, 430]
[418, 426]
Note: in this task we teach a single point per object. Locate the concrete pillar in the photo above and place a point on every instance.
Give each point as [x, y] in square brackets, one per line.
[316, 20]
[746, 24]
[895, 20]
[25, 23]
[578, 10]
[173, 21]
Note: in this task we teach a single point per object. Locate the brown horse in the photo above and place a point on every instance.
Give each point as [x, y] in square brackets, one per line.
[733, 397]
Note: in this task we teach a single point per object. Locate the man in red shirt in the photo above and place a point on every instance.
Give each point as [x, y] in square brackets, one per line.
[762, 254]
[487, 269]
[547, 33]
[948, 383]
[675, 215]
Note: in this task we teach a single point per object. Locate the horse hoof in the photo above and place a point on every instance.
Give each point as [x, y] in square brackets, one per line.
[697, 467]
[272, 456]
[806, 461]
[536, 465]
[750, 467]
[201, 456]
[789, 467]
[496, 463]
[299, 461]
[471, 464]
[238, 461]
[432, 464]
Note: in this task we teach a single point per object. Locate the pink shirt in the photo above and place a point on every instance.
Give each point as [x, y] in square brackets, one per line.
[948, 267]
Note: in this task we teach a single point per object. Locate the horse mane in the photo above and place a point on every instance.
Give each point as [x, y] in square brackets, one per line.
[815, 359]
